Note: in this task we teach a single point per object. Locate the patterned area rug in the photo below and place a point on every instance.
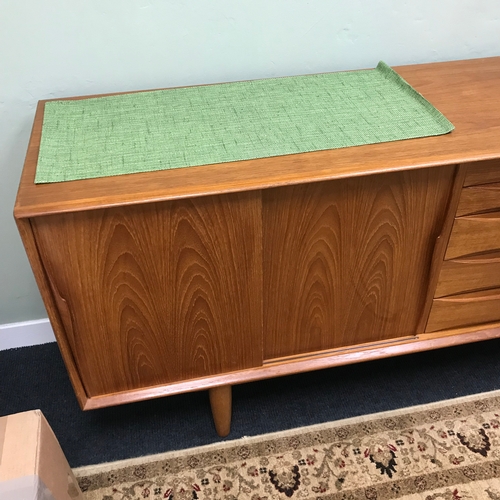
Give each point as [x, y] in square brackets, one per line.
[448, 450]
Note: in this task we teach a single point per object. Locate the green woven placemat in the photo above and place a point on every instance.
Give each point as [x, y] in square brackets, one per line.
[184, 127]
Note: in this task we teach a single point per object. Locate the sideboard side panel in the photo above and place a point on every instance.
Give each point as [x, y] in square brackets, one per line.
[157, 293]
[26, 231]
[347, 261]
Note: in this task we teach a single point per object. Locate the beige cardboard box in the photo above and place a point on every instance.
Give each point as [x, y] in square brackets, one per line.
[32, 464]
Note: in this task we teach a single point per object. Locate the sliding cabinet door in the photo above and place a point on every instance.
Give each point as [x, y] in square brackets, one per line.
[347, 261]
[158, 293]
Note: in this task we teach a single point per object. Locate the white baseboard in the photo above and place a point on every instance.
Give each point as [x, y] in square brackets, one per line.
[25, 333]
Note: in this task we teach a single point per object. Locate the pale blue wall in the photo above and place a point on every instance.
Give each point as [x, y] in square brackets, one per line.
[54, 48]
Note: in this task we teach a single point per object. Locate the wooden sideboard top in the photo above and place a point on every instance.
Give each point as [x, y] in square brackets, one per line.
[466, 92]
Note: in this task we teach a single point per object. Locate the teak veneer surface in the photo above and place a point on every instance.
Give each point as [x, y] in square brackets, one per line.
[469, 274]
[473, 308]
[157, 293]
[477, 199]
[317, 361]
[474, 234]
[442, 243]
[486, 172]
[347, 261]
[466, 92]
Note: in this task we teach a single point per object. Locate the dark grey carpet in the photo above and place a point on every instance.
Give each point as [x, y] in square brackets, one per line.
[35, 377]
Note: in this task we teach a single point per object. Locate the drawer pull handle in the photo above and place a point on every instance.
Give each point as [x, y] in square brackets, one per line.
[479, 298]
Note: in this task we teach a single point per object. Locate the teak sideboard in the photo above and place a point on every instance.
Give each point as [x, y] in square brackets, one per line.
[205, 277]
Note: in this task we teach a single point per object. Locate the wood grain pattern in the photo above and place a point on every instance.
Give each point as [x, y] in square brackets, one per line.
[158, 293]
[329, 359]
[466, 92]
[472, 308]
[469, 274]
[474, 234]
[347, 262]
[26, 231]
[476, 199]
[441, 244]
[484, 172]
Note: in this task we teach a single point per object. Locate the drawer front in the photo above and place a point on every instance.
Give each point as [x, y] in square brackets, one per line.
[477, 199]
[469, 274]
[464, 310]
[474, 234]
[482, 172]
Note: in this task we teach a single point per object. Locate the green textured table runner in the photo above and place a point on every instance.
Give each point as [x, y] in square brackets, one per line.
[164, 129]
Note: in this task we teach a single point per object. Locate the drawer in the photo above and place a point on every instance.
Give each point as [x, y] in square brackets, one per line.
[476, 199]
[482, 172]
[467, 309]
[469, 274]
[474, 234]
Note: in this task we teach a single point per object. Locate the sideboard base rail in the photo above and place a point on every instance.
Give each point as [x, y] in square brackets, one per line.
[221, 400]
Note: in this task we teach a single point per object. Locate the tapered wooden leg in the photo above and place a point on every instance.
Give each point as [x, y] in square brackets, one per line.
[220, 402]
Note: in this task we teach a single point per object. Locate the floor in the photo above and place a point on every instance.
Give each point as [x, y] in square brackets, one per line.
[35, 377]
